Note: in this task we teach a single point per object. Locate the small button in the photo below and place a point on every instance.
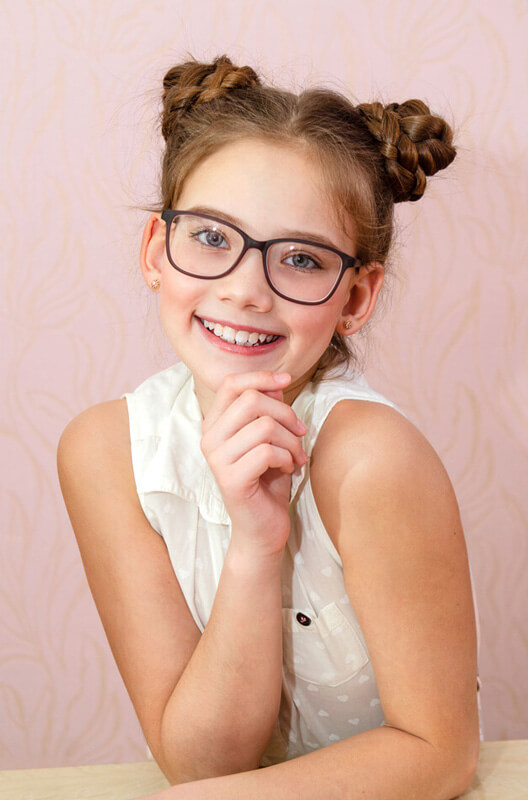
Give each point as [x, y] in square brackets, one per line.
[302, 619]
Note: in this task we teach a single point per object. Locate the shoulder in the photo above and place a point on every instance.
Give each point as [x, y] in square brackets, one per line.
[360, 436]
[95, 443]
[104, 425]
[371, 465]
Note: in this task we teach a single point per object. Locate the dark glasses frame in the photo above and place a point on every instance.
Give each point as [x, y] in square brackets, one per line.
[347, 261]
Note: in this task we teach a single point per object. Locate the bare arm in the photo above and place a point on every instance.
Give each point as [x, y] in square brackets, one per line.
[395, 521]
[381, 764]
[207, 704]
[229, 694]
[221, 715]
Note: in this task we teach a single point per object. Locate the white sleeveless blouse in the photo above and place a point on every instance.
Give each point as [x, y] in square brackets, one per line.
[329, 690]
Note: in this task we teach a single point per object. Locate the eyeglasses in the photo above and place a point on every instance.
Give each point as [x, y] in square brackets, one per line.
[207, 247]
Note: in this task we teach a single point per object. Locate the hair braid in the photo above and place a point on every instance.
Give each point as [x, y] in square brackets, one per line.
[414, 143]
[189, 84]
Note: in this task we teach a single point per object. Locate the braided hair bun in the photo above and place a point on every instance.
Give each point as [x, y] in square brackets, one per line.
[187, 85]
[414, 143]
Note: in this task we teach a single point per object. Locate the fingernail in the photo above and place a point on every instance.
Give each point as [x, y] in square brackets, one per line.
[301, 427]
[281, 377]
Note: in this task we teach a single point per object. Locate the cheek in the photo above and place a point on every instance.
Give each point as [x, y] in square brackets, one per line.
[314, 331]
[319, 322]
[177, 303]
[179, 293]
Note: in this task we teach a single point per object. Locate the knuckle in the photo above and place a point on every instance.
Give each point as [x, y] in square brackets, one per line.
[267, 450]
[214, 465]
[251, 397]
[209, 451]
[230, 382]
[209, 457]
[267, 425]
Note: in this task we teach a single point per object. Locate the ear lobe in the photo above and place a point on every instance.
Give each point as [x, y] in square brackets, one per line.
[362, 300]
[152, 249]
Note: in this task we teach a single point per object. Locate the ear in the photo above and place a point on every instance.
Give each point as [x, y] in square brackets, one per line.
[152, 250]
[362, 299]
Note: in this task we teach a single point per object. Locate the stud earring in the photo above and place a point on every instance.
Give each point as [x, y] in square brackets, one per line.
[155, 284]
[348, 324]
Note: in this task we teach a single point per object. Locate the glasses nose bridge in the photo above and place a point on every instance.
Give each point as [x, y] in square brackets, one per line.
[252, 286]
[253, 244]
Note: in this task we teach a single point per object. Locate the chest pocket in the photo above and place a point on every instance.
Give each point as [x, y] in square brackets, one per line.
[325, 650]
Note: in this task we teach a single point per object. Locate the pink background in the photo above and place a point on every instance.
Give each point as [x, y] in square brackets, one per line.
[80, 82]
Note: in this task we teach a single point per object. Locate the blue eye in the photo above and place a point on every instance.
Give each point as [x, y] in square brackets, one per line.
[210, 238]
[302, 262]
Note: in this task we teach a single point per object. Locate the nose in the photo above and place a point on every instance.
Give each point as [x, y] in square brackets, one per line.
[246, 286]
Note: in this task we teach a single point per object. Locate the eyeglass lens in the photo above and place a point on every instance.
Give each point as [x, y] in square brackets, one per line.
[208, 248]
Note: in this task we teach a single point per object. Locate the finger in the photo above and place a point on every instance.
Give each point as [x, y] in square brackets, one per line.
[244, 410]
[263, 457]
[235, 384]
[264, 430]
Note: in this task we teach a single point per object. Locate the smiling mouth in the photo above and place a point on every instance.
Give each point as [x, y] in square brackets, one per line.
[240, 337]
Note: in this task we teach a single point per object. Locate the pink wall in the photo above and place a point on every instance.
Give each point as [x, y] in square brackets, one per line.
[79, 85]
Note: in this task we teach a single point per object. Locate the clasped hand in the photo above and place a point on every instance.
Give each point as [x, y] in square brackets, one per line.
[251, 441]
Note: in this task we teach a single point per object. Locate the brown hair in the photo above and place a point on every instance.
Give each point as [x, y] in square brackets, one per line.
[371, 156]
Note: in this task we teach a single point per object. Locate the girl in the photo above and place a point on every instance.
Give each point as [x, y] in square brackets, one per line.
[275, 552]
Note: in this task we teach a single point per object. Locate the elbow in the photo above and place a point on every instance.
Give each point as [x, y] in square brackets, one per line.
[178, 774]
[196, 759]
[200, 768]
[173, 772]
[470, 749]
[465, 774]
[459, 767]
[188, 750]
[175, 778]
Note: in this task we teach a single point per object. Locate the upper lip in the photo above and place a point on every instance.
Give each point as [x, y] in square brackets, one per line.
[237, 326]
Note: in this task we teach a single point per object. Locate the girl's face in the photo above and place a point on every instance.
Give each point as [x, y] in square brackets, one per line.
[269, 191]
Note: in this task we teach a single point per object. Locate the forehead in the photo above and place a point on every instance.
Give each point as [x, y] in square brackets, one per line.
[269, 188]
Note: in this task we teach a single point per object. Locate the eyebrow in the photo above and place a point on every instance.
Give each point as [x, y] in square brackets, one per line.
[286, 234]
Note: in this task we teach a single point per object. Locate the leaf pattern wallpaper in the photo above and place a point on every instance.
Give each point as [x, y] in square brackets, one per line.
[80, 150]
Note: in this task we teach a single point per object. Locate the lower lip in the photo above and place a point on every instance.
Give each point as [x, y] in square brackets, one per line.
[257, 350]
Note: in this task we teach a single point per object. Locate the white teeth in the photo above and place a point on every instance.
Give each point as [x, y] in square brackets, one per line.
[241, 337]
[246, 338]
[229, 334]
